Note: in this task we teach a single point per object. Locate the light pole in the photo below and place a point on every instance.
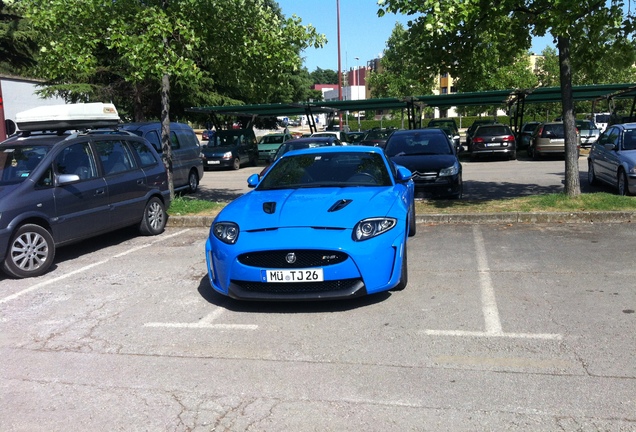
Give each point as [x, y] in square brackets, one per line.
[358, 88]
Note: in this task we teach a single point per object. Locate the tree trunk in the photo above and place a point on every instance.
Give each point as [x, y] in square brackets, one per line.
[572, 181]
[165, 130]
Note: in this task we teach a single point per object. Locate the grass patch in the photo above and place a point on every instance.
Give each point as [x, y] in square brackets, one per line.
[601, 201]
[189, 206]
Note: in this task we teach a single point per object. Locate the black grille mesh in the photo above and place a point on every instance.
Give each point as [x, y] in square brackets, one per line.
[304, 259]
[297, 287]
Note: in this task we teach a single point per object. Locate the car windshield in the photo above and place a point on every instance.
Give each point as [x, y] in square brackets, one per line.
[222, 140]
[294, 145]
[315, 170]
[602, 118]
[585, 125]
[17, 163]
[272, 139]
[493, 131]
[418, 144]
[378, 134]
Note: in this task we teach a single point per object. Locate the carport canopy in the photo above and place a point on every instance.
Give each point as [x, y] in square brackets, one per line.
[414, 104]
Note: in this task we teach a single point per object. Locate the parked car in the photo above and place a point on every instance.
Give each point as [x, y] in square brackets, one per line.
[302, 143]
[612, 159]
[269, 144]
[493, 140]
[601, 120]
[187, 167]
[431, 157]
[588, 131]
[452, 136]
[471, 130]
[377, 137]
[548, 139]
[58, 187]
[355, 137]
[207, 134]
[323, 223]
[230, 148]
[342, 136]
[447, 123]
[523, 137]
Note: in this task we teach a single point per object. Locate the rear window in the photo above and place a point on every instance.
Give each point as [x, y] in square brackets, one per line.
[556, 130]
[493, 130]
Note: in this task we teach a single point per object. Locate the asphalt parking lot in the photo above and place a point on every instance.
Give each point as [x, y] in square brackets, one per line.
[516, 327]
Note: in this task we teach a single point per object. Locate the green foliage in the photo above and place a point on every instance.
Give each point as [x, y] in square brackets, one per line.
[215, 52]
[17, 45]
[324, 76]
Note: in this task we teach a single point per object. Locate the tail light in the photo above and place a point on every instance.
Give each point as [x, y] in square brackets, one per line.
[509, 138]
[478, 140]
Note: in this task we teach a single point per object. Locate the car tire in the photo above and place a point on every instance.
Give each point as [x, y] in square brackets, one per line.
[412, 222]
[591, 176]
[236, 164]
[404, 273]
[154, 219]
[30, 253]
[193, 182]
[621, 184]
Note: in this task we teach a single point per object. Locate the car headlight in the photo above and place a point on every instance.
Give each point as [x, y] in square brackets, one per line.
[368, 228]
[227, 232]
[450, 171]
[227, 155]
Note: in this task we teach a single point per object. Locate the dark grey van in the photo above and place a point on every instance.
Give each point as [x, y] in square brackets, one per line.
[231, 149]
[187, 166]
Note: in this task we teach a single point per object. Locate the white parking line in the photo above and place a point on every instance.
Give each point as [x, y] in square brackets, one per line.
[205, 323]
[85, 268]
[488, 303]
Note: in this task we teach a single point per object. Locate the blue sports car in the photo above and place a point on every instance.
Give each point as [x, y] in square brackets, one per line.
[322, 223]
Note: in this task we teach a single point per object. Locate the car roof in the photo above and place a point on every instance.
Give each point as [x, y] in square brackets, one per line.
[316, 139]
[430, 131]
[151, 125]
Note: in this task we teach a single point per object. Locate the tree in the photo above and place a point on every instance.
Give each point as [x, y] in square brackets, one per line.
[324, 76]
[16, 42]
[455, 32]
[127, 49]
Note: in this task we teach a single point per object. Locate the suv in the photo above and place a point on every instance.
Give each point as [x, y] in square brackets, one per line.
[230, 149]
[471, 131]
[269, 144]
[58, 187]
[187, 166]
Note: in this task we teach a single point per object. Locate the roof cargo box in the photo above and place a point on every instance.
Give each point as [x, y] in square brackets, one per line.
[65, 117]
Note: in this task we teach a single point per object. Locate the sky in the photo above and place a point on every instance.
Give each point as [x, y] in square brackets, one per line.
[362, 33]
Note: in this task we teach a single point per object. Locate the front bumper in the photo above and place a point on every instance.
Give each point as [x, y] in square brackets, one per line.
[215, 163]
[436, 186]
[367, 267]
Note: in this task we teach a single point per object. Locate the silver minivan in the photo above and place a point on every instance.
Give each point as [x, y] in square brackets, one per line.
[187, 166]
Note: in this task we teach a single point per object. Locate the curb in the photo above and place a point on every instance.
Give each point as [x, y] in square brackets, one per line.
[470, 218]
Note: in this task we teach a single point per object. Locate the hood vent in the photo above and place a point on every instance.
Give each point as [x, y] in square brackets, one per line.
[339, 205]
[269, 207]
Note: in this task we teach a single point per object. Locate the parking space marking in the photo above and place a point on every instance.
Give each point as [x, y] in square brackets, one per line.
[85, 268]
[205, 323]
[489, 303]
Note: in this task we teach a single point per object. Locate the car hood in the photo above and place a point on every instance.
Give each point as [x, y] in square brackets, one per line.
[6, 190]
[629, 156]
[423, 163]
[323, 208]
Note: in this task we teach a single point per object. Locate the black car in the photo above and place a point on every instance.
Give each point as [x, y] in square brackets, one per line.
[231, 148]
[525, 134]
[376, 137]
[431, 157]
[471, 131]
[59, 186]
[493, 140]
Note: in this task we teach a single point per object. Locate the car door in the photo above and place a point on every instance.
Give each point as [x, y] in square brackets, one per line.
[81, 206]
[608, 161]
[126, 182]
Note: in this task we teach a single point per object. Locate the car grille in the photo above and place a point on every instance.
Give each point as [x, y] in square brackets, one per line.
[299, 287]
[304, 258]
[428, 176]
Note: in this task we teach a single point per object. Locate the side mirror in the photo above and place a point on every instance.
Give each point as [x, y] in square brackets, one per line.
[403, 174]
[253, 180]
[610, 147]
[64, 179]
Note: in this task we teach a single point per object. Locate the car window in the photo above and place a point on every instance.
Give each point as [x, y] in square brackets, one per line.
[629, 139]
[153, 138]
[77, 159]
[115, 156]
[17, 163]
[493, 130]
[174, 141]
[272, 139]
[553, 131]
[186, 138]
[327, 170]
[418, 144]
[146, 157]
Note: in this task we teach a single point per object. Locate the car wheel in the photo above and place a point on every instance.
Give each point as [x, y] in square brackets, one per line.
[404, 273]
[236, 164]
[193, 181]
[30, 253]
[154, 219]
[412, 222]
[591, 176]
[623, 190]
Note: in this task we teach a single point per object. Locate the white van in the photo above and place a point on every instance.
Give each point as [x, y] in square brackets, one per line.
[601, 120]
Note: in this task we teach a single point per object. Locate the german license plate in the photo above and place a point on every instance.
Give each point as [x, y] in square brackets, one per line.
[492, 145]
[214, 162]
[296, 275]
